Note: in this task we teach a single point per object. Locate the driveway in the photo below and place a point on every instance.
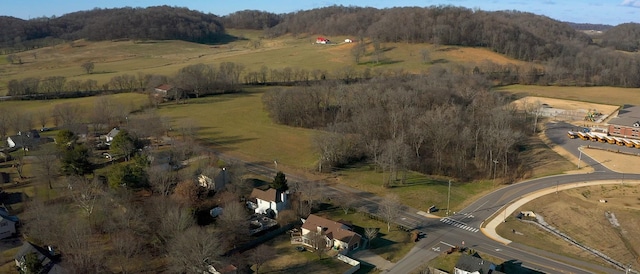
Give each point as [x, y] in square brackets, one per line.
[373, 259]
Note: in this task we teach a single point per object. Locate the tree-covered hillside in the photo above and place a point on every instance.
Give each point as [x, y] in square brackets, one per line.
[161, 22]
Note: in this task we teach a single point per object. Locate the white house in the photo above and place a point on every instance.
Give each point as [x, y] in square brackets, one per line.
[337, 235]
[7, 224]
[112, 134]
[269, 200]
[468, 264]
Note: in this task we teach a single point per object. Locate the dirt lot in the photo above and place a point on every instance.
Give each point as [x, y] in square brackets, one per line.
[565, 110]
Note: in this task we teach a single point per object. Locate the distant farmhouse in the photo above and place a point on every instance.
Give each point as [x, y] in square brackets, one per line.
[322, 40]
[165, 91]
[627, 123]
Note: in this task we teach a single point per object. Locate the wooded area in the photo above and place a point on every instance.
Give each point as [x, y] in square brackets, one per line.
[158, 23]
[442, 124]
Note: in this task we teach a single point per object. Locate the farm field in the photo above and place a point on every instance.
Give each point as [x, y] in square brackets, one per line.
[113, 58]
[571, 211]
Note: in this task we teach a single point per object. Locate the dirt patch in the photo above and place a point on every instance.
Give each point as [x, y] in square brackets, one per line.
[618, 162]
[564, 110]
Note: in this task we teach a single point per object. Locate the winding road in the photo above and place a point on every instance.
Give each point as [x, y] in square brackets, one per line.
[455, 232]
[463, 228]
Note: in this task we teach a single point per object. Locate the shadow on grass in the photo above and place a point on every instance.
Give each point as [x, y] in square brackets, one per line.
[9, 198]
[514, 266]
[381, 62]
[439, 61]
[365, 268]
[380, 242]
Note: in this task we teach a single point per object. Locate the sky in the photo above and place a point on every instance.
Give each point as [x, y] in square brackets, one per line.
[611, 12]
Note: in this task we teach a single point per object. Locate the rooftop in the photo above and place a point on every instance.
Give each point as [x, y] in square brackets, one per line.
[627, 116]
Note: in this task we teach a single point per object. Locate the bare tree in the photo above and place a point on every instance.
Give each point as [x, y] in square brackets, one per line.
[194, 250]
[309, 194]
[47, 166]
[125, 246]
[424, 53]
[318, 241]
[79, 256]
[84, 192]
[345, 200]
[389, 208]
[371, 233]
[162, 179]
[234, 220]
[88, 67]
[260, 255]
[173, 218]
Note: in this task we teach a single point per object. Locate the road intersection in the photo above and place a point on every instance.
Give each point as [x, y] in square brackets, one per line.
[464, 228]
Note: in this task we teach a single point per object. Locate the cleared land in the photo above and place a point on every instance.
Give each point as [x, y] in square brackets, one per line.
[601, 95]
[578, 213]
[579, 108]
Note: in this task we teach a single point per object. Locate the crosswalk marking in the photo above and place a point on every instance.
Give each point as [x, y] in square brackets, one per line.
[458, 224]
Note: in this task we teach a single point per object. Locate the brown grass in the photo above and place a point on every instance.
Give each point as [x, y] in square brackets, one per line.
[578, 213]
[603, 95]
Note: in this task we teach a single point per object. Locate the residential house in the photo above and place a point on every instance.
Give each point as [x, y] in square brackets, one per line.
[166, 92]
[627, 123]
[217, 183]
[46, 257]
[25, 140]
[112, 134]
[7, 223]
[337, 235]
[468, 264]
[270, 201]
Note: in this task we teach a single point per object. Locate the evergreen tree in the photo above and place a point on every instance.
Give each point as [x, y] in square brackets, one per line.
[280, 182]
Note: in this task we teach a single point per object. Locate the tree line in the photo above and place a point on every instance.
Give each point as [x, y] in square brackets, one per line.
[440, 123]
[158, 23]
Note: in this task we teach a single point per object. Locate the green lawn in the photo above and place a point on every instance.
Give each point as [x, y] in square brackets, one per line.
[237, 124]
[288, 260]
[419, 191]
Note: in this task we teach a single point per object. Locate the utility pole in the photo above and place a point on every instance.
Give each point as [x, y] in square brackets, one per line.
[495, 169]
[449, 197]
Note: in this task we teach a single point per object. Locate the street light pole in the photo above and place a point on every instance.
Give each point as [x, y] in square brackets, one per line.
[449, 198]
[579, 158]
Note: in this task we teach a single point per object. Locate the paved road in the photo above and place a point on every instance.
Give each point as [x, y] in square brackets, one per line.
[464, 226]
[461, 227]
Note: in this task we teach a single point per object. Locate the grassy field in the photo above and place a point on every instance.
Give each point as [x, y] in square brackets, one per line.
[572, 211]
[131, 101]
[289, 260]
[113, 58]
[602, 95]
